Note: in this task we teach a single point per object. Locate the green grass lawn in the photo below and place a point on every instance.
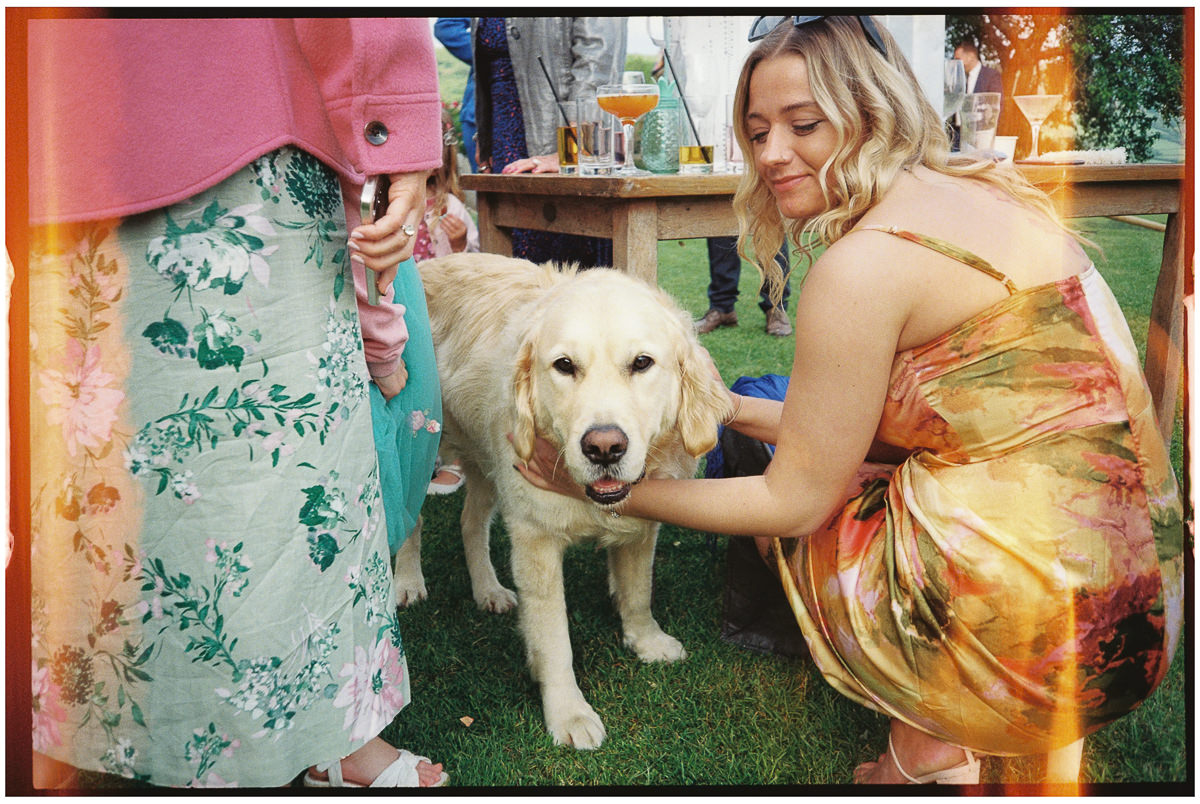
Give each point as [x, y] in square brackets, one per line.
[725, 716]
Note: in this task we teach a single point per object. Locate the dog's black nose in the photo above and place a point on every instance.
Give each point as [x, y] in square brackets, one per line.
[604, 445]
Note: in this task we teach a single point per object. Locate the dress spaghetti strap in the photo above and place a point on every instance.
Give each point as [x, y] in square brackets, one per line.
[950, 250]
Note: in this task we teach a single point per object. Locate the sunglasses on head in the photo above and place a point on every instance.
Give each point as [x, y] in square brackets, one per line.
[764, 25]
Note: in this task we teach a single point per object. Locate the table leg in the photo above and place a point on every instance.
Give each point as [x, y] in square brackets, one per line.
[493, 239]
[1164, 341]
[635, 239]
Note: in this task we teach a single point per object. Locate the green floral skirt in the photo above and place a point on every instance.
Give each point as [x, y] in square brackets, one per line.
[212, 601]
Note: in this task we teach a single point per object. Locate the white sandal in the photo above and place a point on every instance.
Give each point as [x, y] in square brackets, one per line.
[966, 773]
[401, 773]
[442, 488]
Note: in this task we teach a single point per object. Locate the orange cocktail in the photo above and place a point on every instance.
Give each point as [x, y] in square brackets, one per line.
[628, 101]
[628, 107]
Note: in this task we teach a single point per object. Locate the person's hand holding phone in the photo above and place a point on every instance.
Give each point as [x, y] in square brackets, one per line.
[387, 238]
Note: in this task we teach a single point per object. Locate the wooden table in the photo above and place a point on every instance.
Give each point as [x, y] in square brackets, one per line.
[637, 212]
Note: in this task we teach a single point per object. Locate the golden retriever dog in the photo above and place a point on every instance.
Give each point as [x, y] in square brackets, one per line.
[608, 369]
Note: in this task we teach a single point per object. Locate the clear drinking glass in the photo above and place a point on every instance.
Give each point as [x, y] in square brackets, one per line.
[980, 115]
[595, 138]
[696, 132]
[1036, 109]
[954, 88]
[628, 100]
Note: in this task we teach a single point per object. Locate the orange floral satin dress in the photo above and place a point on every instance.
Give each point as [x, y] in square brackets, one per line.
[1017, 582]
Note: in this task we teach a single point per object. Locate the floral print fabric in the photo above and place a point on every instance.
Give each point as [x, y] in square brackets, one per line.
[1016, 583]
[212, 600]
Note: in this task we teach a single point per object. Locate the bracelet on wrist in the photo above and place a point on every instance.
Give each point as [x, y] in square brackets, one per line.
[736, 411]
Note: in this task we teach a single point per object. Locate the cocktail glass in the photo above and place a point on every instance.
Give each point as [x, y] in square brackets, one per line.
[628, 102]
[1036, 109]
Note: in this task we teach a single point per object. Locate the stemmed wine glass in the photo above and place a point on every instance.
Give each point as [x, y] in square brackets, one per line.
[628, 100]
[954, 88]
[1036, 109]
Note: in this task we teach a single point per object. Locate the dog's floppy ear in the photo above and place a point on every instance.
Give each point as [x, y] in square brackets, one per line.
[704, 403]
[523, 401]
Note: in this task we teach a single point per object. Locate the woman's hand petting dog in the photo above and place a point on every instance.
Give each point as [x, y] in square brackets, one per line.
[546, 470]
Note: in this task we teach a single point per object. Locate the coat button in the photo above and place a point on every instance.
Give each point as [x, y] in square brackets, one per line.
[376, 132]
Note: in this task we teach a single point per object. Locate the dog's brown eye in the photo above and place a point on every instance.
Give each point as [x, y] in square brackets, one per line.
[641, 363]
[564, 366]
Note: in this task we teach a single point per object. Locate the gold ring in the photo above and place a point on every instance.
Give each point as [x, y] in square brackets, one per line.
[408, 229]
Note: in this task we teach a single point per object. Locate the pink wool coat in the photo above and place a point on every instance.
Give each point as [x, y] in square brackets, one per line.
[132, 115]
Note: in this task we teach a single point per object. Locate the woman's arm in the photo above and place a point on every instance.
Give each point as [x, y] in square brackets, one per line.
[757, 418]
[849, 318]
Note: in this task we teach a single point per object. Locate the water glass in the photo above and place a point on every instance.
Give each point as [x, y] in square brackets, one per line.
[980, 115]
[734, 161]
[954, 88]
[595, 128]
[696, 155]
[567, 137]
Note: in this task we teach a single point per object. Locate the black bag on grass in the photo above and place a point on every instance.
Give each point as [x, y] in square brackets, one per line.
[756, 612]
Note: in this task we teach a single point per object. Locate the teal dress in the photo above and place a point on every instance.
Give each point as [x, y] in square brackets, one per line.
[408, 426]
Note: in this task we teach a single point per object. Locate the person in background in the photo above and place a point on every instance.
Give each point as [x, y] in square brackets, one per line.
[714, 48]
[969, 506]
[724, 271]
[199, 394]
[515, 108]
[980, 77]
[447, 228]
[455, 35]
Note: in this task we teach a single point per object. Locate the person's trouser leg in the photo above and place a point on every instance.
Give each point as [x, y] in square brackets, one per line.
[725, 269]
[764, 294]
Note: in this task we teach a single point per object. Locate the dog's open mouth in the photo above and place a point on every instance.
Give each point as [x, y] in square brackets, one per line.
[608, 491]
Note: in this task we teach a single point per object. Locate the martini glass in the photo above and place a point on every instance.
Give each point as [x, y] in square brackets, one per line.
[1036, 109]
[628, 102]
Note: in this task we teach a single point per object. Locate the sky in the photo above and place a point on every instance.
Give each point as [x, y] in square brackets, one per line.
[639, 40]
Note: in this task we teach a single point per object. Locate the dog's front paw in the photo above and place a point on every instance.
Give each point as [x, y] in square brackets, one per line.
[408, 582]
[657, 647]
[409, 590]
[576, 725]
[496, 599]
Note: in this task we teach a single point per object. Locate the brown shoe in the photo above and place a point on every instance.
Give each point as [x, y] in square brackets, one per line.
[715, 318]
[778, 324]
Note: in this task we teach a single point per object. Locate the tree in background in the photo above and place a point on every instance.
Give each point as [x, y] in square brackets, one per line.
[1119, 73]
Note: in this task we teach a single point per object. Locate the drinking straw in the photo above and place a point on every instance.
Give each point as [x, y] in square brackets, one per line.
[557, 102]
[682, 99]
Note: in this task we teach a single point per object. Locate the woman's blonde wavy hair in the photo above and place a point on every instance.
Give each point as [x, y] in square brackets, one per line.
[883, 123]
